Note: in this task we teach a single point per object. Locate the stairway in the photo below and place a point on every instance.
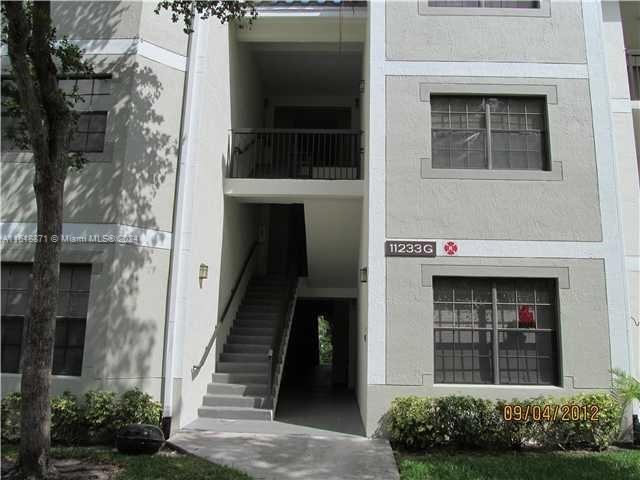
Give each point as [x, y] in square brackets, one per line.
[240, 384]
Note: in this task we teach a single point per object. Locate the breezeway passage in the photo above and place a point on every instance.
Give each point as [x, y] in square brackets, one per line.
[277, 451]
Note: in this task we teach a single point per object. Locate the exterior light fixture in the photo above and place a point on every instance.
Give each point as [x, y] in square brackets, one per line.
[363, 275]
[203, 273]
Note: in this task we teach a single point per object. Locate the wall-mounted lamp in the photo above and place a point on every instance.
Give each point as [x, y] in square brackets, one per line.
[363, 275]
[203, 273]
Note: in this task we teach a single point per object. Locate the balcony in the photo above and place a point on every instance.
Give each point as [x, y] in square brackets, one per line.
[633, 70]
[295, 154]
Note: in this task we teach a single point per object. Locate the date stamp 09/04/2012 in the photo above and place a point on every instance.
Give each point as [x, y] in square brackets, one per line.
[550, 413]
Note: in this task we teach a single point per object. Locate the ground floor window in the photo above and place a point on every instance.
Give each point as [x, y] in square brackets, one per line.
[495, 331]
[71, 316]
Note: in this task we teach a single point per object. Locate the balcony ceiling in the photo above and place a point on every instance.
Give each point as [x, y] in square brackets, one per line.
[327, 69]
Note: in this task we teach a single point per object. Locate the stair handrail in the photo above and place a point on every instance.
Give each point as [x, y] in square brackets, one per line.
[196, 368]
[278, 346]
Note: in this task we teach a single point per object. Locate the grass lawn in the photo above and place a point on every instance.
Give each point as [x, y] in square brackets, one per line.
[614, 465]
[162, 466]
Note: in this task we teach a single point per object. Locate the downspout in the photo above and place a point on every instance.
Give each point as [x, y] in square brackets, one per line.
[181, 244]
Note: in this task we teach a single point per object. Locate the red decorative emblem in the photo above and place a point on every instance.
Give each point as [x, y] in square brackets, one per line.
[525, 317]
[450, 248]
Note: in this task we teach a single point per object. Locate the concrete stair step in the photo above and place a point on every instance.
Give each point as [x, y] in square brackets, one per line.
[232, 401]
[249, 389]
[253, 331]
[246, 322]
[260, 308]
[244, 357]
[242, 367]
[250, 339]
[245, 348]
[272, 316]
[238, 413]
[242, 378]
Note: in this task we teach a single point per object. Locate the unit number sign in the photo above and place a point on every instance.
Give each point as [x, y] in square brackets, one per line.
[396, 248]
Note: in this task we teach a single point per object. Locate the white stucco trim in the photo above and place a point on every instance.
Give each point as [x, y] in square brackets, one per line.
[15, 232]
[128, 46]
[181, 256]
[617, 290]
[270, 190]
[486, 69]
[632, 263]
[376, 301]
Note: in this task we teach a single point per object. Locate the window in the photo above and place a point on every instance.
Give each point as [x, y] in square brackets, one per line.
[89, 136]
[494, 133]
[92, 124]
[73, 296]
[485, 3]
[499, 331]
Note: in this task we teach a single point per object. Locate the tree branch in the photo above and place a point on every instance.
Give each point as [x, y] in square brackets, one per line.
[28, 94]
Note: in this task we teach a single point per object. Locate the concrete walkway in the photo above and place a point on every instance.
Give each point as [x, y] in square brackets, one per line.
[278, 451]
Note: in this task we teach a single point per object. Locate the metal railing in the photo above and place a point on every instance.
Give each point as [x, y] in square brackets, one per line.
[196, 368]
[278, 351]
[302, 153]
[633, 71]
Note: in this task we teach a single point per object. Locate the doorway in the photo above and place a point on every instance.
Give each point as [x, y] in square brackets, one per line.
[317, 386]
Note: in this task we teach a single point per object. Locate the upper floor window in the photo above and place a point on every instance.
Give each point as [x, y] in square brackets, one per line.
[485, 3]
[71, 316]
[494, 133]
[92, 123]
[501, 331]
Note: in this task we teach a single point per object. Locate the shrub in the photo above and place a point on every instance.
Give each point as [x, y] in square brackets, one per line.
[100, 415]
[463, 422]
[136, 406]
[10, 411]
[96, 421]
[67, 420]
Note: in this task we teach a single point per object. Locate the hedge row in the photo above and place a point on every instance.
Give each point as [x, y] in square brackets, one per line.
[96, 420]
[467, 422]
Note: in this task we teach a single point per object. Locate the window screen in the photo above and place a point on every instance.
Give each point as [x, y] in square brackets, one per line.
[496, 133]
[495, 331]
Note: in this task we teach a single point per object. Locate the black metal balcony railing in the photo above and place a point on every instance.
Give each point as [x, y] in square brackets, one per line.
[633, 70]
[283, 153]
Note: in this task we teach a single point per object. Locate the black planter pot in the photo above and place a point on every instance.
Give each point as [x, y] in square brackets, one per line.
[139, 439]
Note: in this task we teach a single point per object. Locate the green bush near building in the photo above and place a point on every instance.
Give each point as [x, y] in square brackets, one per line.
[584, 421]
[95, 420]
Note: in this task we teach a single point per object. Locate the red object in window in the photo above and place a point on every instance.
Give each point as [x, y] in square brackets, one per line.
[450, 248]
[525, 317]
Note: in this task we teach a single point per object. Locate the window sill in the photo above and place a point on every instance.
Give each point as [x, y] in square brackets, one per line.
[543, 11]
[494, 386]
[27, 157]
[63, 377]
[555, 174]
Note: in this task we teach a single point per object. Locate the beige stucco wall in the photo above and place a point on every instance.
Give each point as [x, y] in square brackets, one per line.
[417, 32]
[125, 319]
[563, 209]
[583, 327]
[133, 181]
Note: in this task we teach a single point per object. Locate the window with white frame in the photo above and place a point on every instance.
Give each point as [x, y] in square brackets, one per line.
[485, 3]
[495, 331]
[490, 133]
[71, 316]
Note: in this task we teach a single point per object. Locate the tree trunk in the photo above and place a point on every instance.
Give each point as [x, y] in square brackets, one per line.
[39, 326]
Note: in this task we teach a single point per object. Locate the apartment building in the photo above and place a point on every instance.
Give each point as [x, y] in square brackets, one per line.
[452, 185]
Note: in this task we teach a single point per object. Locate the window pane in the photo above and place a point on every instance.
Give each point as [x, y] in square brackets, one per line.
[95, 142]
[443, 291]
[11, 342]
[507, 316]
[464, 315]
[443, 315]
